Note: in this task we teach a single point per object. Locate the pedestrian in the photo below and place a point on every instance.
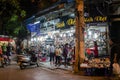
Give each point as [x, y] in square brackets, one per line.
[1, 54]
[4, 48]
[58, 56]
[9, 51]
[95, 49]
[52, 53]
[114, 54]
[65, 53]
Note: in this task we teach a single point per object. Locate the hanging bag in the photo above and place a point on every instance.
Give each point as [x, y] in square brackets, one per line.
[116, 66]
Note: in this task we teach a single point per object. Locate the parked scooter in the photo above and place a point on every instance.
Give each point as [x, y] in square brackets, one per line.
[27, 60]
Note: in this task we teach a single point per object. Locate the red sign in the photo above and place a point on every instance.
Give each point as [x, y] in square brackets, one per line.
[5, 39]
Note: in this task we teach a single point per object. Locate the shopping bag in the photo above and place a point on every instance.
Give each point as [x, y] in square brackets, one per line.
[116, 68]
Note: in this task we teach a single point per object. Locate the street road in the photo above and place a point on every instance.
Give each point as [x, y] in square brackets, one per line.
[13, 72]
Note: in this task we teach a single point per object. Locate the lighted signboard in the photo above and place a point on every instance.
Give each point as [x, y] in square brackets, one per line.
[67, 22]
[95, 19]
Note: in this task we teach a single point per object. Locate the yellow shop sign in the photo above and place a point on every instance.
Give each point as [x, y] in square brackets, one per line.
[96, 19]
[72, 21]
[60, 24]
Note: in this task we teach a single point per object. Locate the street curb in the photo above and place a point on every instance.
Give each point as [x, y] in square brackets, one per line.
[55, 68]
[64, 69]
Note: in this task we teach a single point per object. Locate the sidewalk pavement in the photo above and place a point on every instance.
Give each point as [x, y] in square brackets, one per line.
[48, 65]
[69, 68]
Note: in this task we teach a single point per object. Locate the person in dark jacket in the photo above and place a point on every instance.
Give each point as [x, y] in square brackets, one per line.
[9, 51]
[115, 51]
[95, 49]
[65, 53]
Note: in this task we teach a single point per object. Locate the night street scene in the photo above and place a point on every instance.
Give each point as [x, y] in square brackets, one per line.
[59, 39]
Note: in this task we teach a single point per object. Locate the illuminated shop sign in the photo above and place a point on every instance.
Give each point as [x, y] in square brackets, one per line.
[66, 23]
[69, 22]
[95, 19]
[60, 24]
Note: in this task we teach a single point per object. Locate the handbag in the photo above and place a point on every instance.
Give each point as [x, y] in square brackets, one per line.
[116, 68]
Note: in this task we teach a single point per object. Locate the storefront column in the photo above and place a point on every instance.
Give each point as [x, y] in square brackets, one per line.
[79, 47]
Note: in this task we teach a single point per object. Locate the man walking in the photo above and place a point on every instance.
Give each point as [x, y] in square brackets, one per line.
[52, 53]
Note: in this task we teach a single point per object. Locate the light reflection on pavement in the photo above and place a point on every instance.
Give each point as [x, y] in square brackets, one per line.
[13, 72]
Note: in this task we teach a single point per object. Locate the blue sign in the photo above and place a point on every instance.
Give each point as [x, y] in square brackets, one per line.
[34, 27]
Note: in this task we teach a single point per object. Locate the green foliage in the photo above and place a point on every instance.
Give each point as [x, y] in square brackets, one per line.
[15, 28]
[14, 17]
[11, 16]
[23, 13]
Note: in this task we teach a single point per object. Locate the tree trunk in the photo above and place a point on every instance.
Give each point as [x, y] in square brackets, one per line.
[79, 47]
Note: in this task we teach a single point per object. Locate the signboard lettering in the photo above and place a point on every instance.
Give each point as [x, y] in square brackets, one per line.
[90, 19]
[67, 22]
[60, 24]
[96, 19]
[70, 21]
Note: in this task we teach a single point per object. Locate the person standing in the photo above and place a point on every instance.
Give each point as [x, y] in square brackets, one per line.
[1, 57]
[58, 55]
[65, 53]
[9, 52]
[52, 53]
[95, 49]
[114, 54]
[1, 54]
[4, 49]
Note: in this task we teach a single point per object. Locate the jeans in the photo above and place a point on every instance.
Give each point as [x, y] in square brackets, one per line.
[52, 55]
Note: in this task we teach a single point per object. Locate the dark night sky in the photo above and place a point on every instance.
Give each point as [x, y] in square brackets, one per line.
[33, 7]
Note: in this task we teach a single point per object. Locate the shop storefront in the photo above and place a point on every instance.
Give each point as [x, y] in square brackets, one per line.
[96, 32]
[60, 31]
[96, 46]
[6, 40]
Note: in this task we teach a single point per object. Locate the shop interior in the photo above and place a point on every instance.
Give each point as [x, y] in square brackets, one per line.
[99, 35]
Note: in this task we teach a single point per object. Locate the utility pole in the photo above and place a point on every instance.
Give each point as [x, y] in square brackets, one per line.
[79, 42]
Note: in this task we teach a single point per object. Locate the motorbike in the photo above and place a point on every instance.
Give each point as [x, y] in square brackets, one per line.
[2, 64]
[25, 61]
[6, 60]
